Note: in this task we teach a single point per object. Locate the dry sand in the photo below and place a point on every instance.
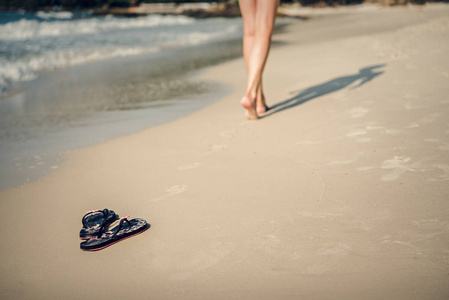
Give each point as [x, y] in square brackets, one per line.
[341, 192]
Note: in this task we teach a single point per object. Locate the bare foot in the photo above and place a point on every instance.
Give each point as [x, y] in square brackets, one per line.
[261, 107]
[250, 107]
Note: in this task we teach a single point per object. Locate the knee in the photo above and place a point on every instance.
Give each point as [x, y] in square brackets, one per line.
[266, 27]
[249, 31]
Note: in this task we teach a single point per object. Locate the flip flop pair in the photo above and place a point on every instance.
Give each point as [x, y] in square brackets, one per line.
[96, 235]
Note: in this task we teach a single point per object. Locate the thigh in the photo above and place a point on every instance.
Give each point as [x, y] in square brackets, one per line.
[248, 11]
[266, 12]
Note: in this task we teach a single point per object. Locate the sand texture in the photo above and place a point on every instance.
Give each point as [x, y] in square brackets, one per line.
[339, 192]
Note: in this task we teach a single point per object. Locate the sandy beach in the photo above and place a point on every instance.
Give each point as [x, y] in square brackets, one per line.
[339, 192]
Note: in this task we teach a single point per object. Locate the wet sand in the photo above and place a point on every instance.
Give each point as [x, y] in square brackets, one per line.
[85, 105]
[340, 191]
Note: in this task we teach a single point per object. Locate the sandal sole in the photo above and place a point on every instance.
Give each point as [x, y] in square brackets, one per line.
[127, 237]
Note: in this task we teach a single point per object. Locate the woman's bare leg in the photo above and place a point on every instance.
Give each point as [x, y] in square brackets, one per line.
[248, 42]
[261, 105]
[258, 21]
[248, 10]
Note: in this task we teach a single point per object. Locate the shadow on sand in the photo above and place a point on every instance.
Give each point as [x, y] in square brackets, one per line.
[333, 85]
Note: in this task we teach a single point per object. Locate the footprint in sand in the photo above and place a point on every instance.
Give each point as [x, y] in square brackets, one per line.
[340, 162]
[358, 112]
[396, 166]
[431, 224]
[366, 168]
[227, 134]
[215, 148]
[356, 133]
[423, 229]
[171, 191]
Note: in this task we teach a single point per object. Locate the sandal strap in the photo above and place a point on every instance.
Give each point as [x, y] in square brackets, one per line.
[105, 224]
[120, 225]
[104, 211]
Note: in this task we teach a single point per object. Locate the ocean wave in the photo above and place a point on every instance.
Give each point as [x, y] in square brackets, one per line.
[28, 46]
[196, 37]
[54, 15]
[27, 70]
[31, 29]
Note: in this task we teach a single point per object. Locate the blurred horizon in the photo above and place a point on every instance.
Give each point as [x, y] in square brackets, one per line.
[91, 4]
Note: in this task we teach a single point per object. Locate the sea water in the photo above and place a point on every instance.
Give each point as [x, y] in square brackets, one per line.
[70, 80]
[34, 42]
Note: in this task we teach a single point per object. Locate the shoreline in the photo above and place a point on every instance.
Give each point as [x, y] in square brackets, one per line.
[339, 191]
[27, 157]
[34, 153]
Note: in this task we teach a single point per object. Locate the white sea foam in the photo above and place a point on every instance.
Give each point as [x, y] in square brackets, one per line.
[48, 41]
[31, 29]
[27, 70]
[54, 15]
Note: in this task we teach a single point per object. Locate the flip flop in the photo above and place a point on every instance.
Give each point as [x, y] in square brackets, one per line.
[94, 220]
[125, 229]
